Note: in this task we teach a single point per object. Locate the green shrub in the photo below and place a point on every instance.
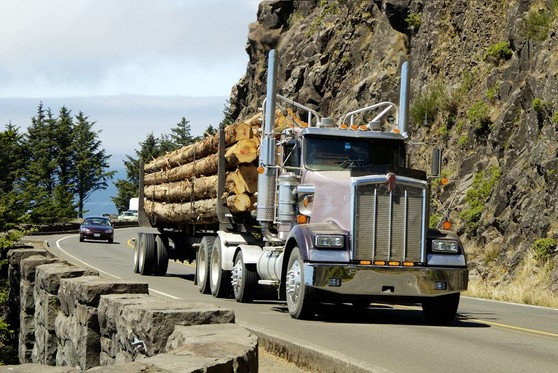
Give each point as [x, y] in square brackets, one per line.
[492, 93]
[540, 106]
[413, 21]
[498, 52]
[479, 116]
[476, 197]
[537, 23]
[425, 108]
[543, 249]
[555, 117]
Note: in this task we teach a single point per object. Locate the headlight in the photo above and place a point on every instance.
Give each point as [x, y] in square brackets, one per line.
[445, 246]
[85, 230]
[109, 230]
[330, 241]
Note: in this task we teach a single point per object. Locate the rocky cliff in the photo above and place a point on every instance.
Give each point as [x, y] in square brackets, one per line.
[484, 87]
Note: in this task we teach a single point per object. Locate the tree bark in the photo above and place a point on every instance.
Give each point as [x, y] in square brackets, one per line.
[198, 212]
[241, 202]
[201, 149]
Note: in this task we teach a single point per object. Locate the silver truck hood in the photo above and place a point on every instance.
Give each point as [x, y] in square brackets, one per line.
[332, 199]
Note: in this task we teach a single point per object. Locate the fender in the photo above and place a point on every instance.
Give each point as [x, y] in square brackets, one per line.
[303, 236]
[250, 253]
[229, 242]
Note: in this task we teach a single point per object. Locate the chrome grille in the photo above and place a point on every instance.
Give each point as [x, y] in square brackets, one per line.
[389, 225]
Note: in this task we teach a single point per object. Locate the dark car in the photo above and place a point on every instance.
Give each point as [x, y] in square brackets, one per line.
[96, 228]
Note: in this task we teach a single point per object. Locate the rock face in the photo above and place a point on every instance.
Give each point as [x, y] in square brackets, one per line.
[484, 87]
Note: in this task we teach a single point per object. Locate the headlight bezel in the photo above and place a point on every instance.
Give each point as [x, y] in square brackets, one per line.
[329, 241]
[445, 246]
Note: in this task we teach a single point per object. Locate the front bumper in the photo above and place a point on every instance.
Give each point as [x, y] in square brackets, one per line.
[359, 280]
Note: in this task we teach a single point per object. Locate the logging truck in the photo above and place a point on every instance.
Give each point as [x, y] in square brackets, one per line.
[316, 209]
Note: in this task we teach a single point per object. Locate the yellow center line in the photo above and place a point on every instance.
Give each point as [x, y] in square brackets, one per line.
[517, 328]
[503, 326]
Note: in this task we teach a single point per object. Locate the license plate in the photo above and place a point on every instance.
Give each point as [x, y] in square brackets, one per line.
[96, 235]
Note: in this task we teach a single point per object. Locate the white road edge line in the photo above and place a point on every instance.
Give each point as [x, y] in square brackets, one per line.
[81, 261]
[101, 271]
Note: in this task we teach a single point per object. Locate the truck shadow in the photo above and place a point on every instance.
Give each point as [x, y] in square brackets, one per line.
[381, 314]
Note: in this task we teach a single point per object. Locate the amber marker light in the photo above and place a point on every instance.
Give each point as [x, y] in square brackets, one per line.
[261, 169]
[365, 262]
[395, 130]
[306, 201]
[379, 263]
[302, 219]
[363, 127]
[354, 126]
[392, 263]
[446, 225]
[408, 264]
[343, 126]
[444, 181]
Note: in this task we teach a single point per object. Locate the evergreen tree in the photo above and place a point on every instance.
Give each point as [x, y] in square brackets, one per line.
[210, 131]
[65, 164]
[90, 162]
[149, 149]
[181, 134]
[12, 162]
[39, 180]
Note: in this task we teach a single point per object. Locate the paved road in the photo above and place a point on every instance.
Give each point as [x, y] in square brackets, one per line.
[488, 336]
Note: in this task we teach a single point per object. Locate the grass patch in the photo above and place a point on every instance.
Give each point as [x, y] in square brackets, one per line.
[529, 285]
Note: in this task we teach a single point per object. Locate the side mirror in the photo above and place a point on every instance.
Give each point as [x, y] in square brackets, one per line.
[436, 162]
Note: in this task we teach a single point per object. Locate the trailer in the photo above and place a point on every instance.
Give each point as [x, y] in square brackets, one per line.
[316, 209]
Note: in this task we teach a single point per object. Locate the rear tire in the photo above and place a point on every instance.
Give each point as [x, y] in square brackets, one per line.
[300, 298]
[219, 279]
[441, 310]
[147, 254]
[162, 256]
[244, 281]
[203, 258]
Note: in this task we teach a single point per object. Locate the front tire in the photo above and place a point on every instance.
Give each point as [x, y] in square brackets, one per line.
[203, 259]
[244, 281]
[300, 298]
[441, 310]
[219, 279]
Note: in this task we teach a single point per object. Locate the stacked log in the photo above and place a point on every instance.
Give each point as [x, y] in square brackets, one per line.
[181, 186]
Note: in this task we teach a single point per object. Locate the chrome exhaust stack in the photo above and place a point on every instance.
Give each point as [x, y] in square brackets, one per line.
[267, 183]
[404, 93]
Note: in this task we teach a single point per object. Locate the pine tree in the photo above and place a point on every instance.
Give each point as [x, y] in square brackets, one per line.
[12, 162]
[181, 134]
[90, 162]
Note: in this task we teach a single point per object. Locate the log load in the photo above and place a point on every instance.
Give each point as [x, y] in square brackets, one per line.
[181, 186]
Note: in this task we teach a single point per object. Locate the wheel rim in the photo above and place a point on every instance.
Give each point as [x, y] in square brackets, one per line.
[236, 276]
[202, 263]
[293, 282]
[215, 268]
[136, 256]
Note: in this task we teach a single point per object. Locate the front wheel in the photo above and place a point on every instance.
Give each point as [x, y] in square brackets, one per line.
[135, 265]
[300, 298]
[441, 310]
[244, 281]
[203, 259]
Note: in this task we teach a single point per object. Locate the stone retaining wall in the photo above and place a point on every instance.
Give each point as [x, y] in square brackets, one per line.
[72, 318]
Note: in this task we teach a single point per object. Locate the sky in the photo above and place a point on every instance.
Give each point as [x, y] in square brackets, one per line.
[63, 49]
[133, 67]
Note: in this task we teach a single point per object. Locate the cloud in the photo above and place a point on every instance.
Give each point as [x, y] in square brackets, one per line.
[106, 47]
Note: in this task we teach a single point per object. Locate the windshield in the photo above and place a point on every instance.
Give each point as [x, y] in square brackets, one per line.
[334, 153]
